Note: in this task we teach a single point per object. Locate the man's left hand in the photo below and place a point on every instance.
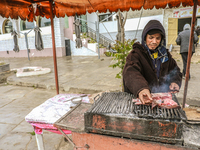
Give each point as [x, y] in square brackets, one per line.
[174, 88]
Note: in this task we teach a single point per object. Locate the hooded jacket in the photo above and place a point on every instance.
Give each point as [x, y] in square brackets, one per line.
[183, 39]
[139, 71]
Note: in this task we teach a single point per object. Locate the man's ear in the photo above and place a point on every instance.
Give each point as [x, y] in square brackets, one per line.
[145, 37]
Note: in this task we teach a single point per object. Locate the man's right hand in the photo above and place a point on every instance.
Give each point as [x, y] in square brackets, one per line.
[145, 96]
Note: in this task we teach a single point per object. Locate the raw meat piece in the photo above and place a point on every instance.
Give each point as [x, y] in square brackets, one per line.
[163, 100]
[156, 102]
[168, 103]
[137, 101]
[161, 95]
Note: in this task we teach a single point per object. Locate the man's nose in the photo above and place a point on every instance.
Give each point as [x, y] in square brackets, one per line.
[153, 40]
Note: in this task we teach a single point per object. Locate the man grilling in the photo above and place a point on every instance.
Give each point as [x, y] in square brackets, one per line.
[149, 67]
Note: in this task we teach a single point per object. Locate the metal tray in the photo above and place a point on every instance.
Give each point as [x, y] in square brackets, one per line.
[74, 119]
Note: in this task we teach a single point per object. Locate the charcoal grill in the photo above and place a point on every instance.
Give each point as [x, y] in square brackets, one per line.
[116, 114]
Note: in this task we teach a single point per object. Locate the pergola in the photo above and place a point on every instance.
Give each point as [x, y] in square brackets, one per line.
[28, 9]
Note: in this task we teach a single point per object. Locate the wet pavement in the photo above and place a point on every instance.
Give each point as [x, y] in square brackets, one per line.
[76, 75]
[15, 133]
[91, 75]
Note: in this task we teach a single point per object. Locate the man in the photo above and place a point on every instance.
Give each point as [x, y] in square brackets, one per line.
[197, 30]
[183, 40]
[149, 66]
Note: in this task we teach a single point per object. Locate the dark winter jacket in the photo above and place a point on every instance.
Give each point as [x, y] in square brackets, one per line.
[139, 71]
[183, 39]
[197, 30]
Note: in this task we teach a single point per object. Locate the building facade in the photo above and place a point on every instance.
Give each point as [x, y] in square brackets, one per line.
[173, 21]
[63, 30]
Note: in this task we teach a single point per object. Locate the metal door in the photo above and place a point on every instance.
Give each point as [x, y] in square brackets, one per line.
[67, 47]
[172, 30]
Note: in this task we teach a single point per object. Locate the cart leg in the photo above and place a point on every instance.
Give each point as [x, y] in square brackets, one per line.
[39, 139]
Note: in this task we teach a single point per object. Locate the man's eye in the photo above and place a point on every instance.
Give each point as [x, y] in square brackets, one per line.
[158, 38]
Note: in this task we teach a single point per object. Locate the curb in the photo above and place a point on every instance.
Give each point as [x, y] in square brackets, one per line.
[13, 80]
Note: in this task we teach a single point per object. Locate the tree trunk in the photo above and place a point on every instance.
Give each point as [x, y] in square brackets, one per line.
[122, 85]
[122, 35]
[122, 22]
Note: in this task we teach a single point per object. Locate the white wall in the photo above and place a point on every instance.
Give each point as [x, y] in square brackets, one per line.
[91, 19]
[7, 43]
[111, 26]
[131, 24]
[83, 51]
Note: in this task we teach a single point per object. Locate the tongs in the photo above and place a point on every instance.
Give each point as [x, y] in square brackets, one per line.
[174, 90]
[73, 99]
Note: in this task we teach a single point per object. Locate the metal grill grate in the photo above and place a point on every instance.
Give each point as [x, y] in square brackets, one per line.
[121, 103]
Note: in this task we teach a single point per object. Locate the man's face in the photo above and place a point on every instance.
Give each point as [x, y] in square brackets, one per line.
[153, 40]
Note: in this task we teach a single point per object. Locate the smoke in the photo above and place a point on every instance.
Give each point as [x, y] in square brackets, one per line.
[160, 89]
[166, 81]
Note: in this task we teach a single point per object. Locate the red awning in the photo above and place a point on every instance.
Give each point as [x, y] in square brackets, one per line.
[24, 8]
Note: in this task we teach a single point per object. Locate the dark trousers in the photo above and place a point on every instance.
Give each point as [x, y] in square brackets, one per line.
[184, 58]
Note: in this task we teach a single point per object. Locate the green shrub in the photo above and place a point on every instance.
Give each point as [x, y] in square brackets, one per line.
[123, 49]
[108, 54]
[101, 46]
[92, 40]
[84, 35]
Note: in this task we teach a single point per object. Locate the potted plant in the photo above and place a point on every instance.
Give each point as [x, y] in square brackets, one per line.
[102, 49]
[92, 45]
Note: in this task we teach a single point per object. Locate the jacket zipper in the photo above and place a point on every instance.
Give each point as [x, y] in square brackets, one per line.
[152, 65]
[156, 71]
[160, 72]
[149, 58]
[156, 64]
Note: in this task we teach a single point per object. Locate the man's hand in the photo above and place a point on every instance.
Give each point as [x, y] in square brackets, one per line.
[145, 96]
[174, 88]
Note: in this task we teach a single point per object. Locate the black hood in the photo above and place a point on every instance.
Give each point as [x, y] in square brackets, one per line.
[153, 24]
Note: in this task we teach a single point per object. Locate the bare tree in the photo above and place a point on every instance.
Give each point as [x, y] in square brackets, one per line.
[122, 21]
[78, 33]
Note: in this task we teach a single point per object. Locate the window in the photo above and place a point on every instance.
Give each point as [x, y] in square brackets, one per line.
[25, 25]
[105, 16]
[8, 27]
[43, 22]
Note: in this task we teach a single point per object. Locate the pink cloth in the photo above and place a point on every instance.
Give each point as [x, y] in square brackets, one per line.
[38, 127]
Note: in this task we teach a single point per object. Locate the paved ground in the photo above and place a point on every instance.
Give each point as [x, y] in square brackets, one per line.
[90, 75]
[76, 75]
[15, 133]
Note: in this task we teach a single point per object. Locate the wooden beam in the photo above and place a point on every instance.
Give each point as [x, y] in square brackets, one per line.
[190, 51]
[53, 45]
